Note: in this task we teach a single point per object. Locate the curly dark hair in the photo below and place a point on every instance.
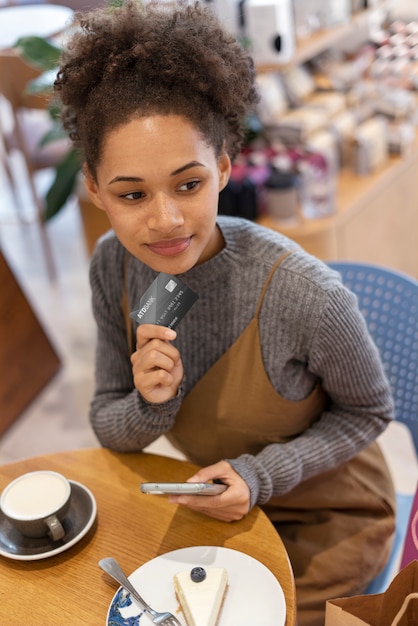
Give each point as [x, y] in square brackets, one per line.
[140, 60]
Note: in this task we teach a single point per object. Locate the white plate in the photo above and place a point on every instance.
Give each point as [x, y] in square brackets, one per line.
[254, 596]
[78, 522]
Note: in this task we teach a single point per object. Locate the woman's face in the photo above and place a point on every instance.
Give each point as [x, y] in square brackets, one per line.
[159, 181]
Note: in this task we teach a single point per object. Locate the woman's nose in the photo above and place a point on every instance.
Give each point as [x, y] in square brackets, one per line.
[164, 214]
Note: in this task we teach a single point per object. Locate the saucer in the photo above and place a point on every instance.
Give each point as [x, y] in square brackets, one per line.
[78, 522]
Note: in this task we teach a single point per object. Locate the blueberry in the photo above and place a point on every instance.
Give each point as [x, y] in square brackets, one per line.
[197, 574]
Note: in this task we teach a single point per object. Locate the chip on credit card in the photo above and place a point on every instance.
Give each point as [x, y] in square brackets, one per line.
[165, 302]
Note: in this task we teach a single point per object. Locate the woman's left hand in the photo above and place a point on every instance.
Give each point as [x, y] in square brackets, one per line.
[231, 505]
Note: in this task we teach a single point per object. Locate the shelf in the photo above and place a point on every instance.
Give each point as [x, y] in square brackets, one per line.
[313, 45]
[376, 219]
[354, 191]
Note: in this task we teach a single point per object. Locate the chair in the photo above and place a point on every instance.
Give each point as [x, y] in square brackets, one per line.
[23, 129]
[389, 302]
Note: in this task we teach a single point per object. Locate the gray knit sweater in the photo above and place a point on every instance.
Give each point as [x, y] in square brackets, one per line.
[310, 329]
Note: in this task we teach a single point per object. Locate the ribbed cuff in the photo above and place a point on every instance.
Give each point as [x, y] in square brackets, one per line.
[257, 479]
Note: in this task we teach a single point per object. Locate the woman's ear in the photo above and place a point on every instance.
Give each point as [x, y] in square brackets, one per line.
[224, 169]
[92, 188]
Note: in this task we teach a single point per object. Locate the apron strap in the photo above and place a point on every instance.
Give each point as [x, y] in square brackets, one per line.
[269, 277]
[125, 305]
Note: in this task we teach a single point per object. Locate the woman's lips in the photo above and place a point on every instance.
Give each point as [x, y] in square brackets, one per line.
[170, 247]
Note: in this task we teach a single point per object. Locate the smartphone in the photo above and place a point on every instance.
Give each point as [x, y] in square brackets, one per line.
[179, 489]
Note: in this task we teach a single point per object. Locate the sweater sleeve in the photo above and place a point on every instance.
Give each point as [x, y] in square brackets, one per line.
[343, 356]
[121, 419]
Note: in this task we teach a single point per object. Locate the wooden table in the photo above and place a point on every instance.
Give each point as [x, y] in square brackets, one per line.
[69, 588]
[43, 20]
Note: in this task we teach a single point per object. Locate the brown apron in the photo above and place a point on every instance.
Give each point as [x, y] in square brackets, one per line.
[337, 527]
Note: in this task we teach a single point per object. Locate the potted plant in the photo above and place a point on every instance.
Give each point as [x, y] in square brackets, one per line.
[45, 56]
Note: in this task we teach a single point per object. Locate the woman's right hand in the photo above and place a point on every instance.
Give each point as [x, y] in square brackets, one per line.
[156, 364]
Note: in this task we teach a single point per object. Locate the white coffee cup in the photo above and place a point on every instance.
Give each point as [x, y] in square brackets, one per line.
[36, 503]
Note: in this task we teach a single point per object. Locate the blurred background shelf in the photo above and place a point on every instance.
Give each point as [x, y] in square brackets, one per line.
[376, 218]
[321, 40]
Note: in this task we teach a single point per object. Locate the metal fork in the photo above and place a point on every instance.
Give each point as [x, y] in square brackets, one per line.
[112, 567]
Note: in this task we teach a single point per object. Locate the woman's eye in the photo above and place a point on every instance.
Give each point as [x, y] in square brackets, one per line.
[134, 195]
[192, 184]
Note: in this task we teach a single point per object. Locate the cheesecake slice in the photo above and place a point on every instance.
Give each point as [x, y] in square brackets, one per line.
[200, 593]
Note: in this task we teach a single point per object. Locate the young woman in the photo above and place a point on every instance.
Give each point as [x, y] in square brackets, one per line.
[271, 382]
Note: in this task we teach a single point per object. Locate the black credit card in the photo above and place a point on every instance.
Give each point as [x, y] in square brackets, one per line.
[165, 302]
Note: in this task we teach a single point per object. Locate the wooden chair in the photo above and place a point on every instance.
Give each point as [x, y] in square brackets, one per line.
[29, 121]
[28, 359]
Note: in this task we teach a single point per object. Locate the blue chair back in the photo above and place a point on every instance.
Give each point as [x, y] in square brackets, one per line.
[389, 302]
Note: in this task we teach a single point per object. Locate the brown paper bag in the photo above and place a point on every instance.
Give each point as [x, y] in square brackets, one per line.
[397, 606]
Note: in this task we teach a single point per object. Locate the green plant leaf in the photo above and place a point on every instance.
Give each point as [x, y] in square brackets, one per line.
[253, 128]
[54, 134]
[65, 179]
[43, 83]
[39, 52]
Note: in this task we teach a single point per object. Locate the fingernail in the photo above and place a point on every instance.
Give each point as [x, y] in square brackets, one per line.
[170, 334]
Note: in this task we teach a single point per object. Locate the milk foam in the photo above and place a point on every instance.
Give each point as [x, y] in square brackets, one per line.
[35, 495]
